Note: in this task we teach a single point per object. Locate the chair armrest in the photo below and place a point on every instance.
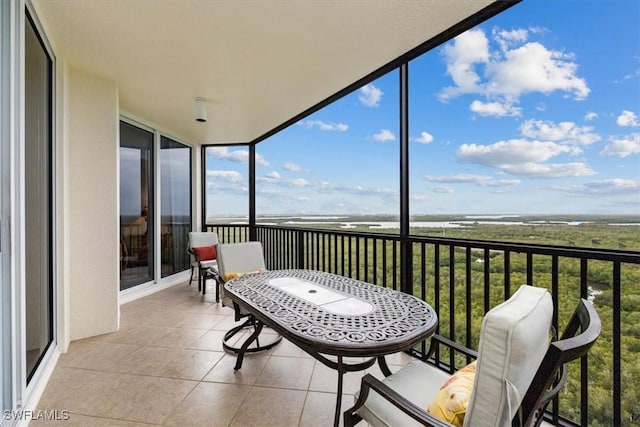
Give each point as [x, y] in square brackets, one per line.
[439, 339]
[215, 274]
[414, 411]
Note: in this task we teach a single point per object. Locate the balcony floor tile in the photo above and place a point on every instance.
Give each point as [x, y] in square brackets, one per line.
[166, 366]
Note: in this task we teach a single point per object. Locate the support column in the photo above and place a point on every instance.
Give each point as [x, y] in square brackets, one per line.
[406, 250]
[253, 235]
[203, 188]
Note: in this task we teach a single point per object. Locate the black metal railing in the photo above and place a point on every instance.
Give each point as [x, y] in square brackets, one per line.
[462, 279]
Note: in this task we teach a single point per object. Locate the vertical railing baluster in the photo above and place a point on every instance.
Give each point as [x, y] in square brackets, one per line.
[555, 405]
[617, 350]
[423, 284]
[507, 274]
[358, 258]
[323, 251]
[375, 261]
[342, 258]
[487, 281]
[436, 290]
[384, 263]
[337, 254]
[317, 238]
[530, 269]
[394, 284]
[584, 368]
[452, 300]
[350, 255]
[468, 309]
[366, 259]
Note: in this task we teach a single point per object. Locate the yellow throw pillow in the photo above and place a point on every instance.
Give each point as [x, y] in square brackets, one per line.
[450, 403]
[230, 276]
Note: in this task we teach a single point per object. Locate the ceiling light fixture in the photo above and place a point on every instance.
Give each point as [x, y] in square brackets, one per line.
[201, 110]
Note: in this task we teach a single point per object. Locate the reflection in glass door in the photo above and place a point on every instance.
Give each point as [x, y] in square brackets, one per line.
[38, 198]
[175, 205]
[136, 206]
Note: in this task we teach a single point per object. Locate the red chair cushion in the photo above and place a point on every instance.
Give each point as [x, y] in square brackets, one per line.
[205, 253]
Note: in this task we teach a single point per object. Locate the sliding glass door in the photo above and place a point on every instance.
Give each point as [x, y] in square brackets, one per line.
[136, 206]
[175, 205]
[147, 253]
[38, 198]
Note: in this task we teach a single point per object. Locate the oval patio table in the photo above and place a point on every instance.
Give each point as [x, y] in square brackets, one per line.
[330, 315]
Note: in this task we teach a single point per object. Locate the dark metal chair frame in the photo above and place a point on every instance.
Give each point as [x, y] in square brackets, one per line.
[249, 250]
[580, 334]
[250, 322]
[204, 273]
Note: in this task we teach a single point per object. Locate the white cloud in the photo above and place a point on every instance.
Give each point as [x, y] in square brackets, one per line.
[628, 119]
[461, 55]
[237, 156]
[275, 178]
[292, 167]
[534, 68]
[457, 179]
[298, 182]
[384, 135]
[442, 189]
[514, 151]
[329, 187]
[622, 147]
[271, 193]
[563, 132]
[510, 38]
[496, 109]
[274, 175]
[370, 95]
[226, 175]
[514, 68]
[341, 127]
[633, 75]
[542, 170]
[590, 116]
[503, 183]
[606, 187]
[261, 161]
[424, 138]
[482, 180]
[524, 158]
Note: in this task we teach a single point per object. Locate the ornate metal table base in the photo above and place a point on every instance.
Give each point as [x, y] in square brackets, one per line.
[250, 322]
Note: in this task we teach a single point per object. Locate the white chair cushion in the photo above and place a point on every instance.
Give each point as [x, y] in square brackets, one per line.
[209, 263]
[238, 258]
[200, 238]
[417, 382]
[513, 341]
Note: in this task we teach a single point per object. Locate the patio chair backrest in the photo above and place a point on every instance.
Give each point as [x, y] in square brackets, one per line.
[513, 341]
[199, 239]
[238, 258]
[580, 334]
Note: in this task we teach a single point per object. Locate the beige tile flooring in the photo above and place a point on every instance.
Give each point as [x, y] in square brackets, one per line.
[166, 366]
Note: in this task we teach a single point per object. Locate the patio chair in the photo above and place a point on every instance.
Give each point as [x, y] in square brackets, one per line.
[235, 260]
[202, 249]
[518, 371]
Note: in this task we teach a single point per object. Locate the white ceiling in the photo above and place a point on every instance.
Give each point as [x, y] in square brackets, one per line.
[258, 63]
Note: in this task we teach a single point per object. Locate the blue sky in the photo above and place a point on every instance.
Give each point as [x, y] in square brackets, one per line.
[536, 111]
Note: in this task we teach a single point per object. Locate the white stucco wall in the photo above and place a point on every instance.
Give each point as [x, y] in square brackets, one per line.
[92, 142]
